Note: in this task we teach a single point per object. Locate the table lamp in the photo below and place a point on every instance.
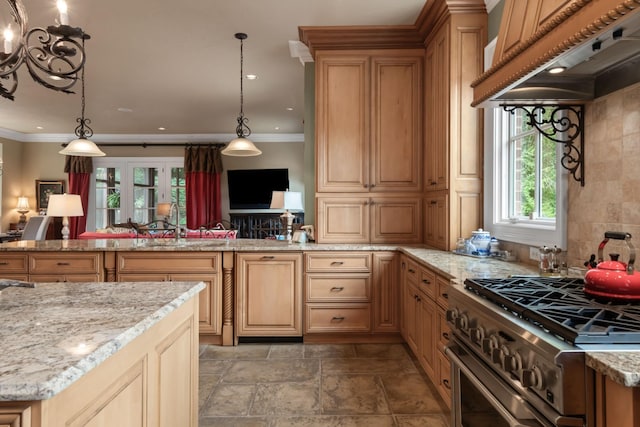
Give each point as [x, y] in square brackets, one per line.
[287, 200]
[65, 205]
[22, 207]
[165, 210]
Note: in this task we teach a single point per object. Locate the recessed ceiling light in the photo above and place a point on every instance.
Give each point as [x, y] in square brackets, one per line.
[161, 128]
[289, 108]
[39, 127]
[277, 128]
[557, 70]
[125, 110]
[251, 77]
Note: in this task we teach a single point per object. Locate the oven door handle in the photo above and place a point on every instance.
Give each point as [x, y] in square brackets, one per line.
[513, 422]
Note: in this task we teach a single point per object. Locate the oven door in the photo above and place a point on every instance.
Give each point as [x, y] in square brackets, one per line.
[481, 398]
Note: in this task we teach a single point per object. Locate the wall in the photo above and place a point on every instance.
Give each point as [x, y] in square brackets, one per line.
[27, 161]
[610, 199]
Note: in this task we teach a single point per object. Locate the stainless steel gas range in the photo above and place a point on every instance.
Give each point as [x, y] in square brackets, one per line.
[517, 350]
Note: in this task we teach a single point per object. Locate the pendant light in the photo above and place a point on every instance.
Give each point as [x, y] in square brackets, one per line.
[82, 146]
[241, 146]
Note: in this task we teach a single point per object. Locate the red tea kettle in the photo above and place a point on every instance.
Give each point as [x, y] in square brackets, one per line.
[614, 279]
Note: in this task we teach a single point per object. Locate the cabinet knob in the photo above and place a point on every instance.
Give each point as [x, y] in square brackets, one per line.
[445, 382]
[372, 185]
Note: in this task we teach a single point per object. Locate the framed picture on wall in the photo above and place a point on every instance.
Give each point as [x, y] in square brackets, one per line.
[44, 189]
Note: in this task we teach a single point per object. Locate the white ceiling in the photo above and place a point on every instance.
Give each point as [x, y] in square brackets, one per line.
[176, 64]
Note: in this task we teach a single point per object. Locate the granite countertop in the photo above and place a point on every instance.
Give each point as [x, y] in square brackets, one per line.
[55, 333]
[622, 367]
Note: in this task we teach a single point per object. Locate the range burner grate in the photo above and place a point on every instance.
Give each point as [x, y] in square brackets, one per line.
[560, 306]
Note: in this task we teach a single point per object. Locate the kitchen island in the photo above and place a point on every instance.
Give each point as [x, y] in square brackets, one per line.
[99, 354]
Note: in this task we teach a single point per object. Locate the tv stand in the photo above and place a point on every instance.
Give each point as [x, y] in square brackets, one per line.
[262, 225]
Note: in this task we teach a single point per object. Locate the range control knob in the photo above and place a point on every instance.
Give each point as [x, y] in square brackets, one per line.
[477, 334]
[533, 378]
[462, 322]
[513, 362]
[488, 344]
[452, 315]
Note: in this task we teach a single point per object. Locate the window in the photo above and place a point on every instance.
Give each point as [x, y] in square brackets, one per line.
[131, 188]
[525, 184]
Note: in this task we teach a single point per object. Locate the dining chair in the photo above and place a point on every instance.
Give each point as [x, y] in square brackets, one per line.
[36, 228]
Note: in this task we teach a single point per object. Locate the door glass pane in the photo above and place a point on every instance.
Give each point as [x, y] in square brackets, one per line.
[178, 193]
[108, 187]
[145, 194]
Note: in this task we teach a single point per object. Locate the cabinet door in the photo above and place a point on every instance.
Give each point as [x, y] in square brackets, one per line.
[428, 338]
[396, 131]
[342, 122]
[411, 319]
[395, 220]
[342, 220]
[437, 112]
[386, 292]
[269, 294]
[15, 415]
[437, 222]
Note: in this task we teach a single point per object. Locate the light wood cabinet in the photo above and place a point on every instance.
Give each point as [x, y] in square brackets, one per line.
[180, 266]
[386, 295]
[425, 329]
[453, 129]
[369, 146]
[66, 267]
[357, 219]
[616, 405]
[268, 294]
[152, 381]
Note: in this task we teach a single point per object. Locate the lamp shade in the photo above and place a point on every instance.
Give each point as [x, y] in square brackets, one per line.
[241, 147]
[163, 209]
[23, 205]
[287, 200]
[65, 205]
[82, 147]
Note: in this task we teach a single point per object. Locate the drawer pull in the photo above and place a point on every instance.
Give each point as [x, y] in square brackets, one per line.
[268, 257]
[336, 263]
[411, 270]
[426, 281]
[338, 318]
[64, 263]
[446, 384]
[4, 263]
[337, 289]
[445, 295]
[445, 335]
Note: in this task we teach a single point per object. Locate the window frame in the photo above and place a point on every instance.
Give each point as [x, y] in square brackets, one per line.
[533, 232]
[126, 165]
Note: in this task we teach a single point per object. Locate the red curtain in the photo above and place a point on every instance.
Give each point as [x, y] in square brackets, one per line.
[202, 166]
[79, 170]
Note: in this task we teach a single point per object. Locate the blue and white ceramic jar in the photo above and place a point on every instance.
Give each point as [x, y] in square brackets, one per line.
[481, 240]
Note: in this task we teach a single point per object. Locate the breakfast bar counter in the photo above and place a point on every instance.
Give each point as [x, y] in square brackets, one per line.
[77, 351]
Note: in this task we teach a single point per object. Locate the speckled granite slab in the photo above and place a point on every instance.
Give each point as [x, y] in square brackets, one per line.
[54, 333]
[622, 367]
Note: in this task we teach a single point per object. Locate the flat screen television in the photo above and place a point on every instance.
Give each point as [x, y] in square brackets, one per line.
[252, 188]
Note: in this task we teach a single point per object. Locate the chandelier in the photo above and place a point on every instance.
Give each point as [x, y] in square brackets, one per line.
[53, 56]
[241, 146]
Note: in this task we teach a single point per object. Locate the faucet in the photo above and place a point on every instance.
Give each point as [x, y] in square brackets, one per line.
[177, 233]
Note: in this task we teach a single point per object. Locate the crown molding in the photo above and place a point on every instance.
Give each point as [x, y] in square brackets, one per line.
[167, 138]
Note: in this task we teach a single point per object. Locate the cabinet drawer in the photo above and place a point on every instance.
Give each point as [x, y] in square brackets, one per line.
[345, 287]
[443, 330]
[442, 297]
[444, 378]
[427, 283]
[175, 262]
[61, 263]
[73, 278]
[338, 318]
[13, 263]
[412, 271]
[343, 261]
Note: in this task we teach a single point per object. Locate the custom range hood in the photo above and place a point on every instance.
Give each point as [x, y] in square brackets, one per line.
[597, 42]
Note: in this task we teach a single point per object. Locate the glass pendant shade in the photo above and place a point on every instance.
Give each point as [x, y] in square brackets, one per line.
[82, 147]
[241, 147]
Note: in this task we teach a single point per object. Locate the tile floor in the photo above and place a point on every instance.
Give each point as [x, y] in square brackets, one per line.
[308, 385]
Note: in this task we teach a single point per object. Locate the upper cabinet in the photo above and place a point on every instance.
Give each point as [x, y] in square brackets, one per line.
[368, 120]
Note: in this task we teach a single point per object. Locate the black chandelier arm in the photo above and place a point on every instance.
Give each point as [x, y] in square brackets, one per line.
[564, 124]
[7, 91]
[243, 130]
[83, 130]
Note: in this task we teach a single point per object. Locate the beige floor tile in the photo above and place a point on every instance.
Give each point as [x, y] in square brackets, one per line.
[409, 394]
[234, 422]
[286, 351]
[229, 400]
[214, 367]
[206, 384]
[272, 370]
[368, 366]
[287, 399]
[312, 351]
[382, 351]
[422, 421]
[244, 351]
[336, 421]
[353, 394]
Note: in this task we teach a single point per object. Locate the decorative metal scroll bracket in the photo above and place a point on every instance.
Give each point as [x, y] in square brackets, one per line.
[563, 124]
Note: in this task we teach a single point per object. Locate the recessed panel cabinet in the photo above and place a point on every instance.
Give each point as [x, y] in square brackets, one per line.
[268, 294]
